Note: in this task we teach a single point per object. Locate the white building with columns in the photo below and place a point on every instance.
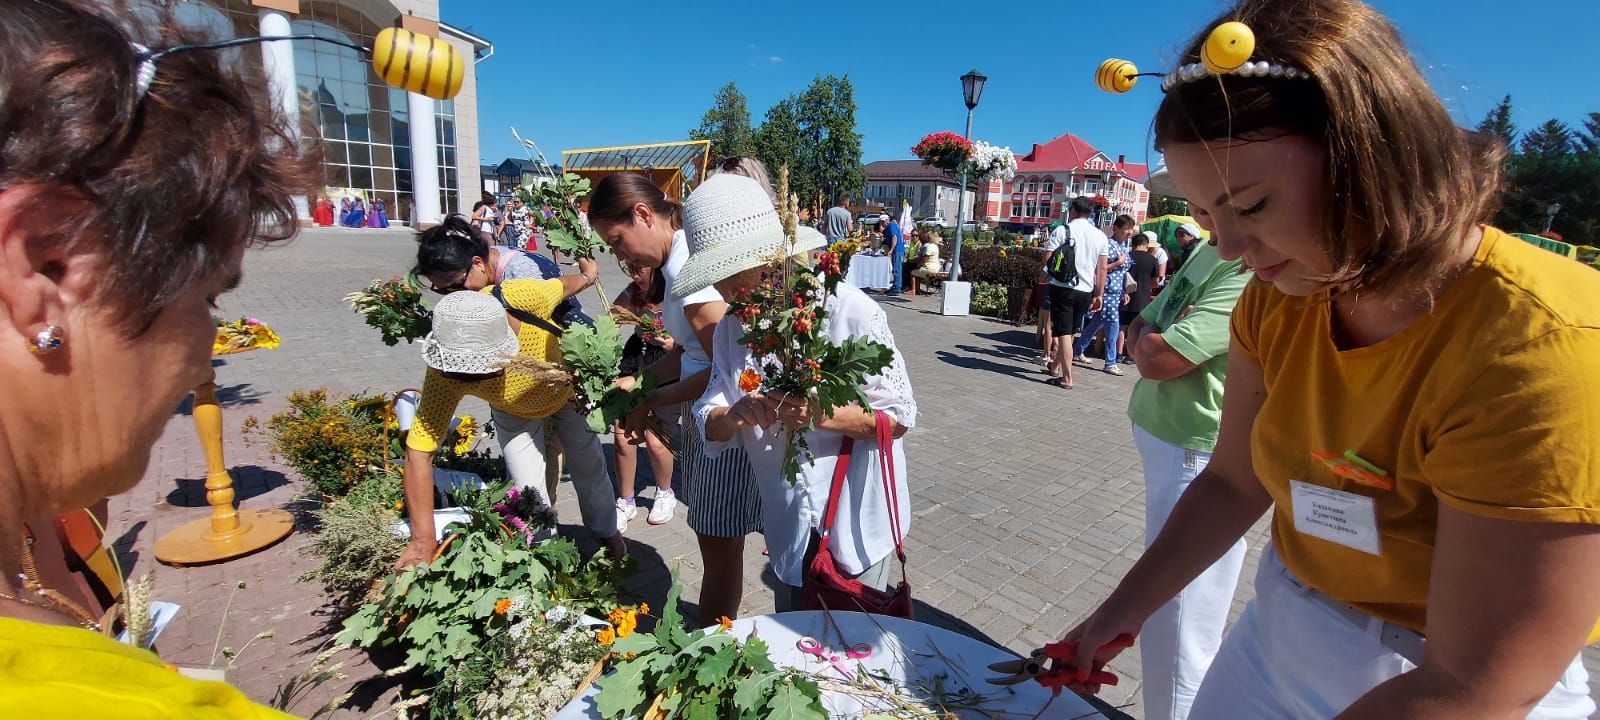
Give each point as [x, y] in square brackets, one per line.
[418, 155]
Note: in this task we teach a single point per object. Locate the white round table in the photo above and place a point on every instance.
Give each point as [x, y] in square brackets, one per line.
[914, 653]
[870, 271]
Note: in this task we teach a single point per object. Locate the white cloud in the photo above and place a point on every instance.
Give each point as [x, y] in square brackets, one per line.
[774, 59]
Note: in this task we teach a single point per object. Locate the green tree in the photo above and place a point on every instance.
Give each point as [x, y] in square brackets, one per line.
[777, 141]
[829, 161]
[1166, 205]
[726, 124]
[1589, 138]
[1550, 141]
[1498, 123]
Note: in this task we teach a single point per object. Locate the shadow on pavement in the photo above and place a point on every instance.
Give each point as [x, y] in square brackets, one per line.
[972, 363]
[229, 396]
[248, 481]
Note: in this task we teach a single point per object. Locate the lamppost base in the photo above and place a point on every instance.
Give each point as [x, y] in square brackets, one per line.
[198, 543]
[955, 298]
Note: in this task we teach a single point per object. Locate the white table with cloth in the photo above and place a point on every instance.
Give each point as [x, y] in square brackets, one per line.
[916, 656]
[870, 271]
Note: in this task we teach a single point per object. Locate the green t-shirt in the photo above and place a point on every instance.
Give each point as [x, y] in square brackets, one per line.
[1186, 411]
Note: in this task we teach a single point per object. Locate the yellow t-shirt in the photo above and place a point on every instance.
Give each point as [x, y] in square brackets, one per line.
[1490, 404]
[49, 672]
[513, 393]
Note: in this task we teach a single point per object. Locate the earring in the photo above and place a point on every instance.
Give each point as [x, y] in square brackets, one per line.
[47, 341]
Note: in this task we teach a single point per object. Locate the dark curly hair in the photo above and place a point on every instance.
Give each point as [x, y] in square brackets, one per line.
[162, 188]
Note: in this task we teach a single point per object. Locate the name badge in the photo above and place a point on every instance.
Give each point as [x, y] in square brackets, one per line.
[1337, 516]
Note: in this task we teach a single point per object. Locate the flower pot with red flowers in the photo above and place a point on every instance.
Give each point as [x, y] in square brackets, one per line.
[944, 150]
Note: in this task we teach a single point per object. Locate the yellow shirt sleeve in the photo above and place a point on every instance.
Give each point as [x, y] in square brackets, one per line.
[440, 396]
[61, 673]
[1245, 325]
[1518, 444]
[539, 297]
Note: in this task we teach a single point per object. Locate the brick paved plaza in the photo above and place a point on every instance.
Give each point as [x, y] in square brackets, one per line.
[1028, 500]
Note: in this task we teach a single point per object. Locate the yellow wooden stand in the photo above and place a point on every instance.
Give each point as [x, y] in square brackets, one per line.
[228, 533]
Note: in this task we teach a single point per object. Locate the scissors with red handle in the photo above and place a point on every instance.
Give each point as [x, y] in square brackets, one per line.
[1065, 672]
[810, 646]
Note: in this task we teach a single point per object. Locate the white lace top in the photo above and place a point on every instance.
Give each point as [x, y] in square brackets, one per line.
[861, 535]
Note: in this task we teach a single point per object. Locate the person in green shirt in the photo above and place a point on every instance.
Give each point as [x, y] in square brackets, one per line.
[1180, 345]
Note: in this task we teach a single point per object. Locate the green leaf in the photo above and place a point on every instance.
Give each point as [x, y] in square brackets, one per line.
[718, 665]
[791, 703]
[752, 692]
[669, 632]
[623, 691]
[757, 656]
[702, 706]
[484, 606]
[636, 643]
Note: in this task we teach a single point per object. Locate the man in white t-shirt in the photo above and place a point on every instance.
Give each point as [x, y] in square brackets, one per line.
[1072, 300]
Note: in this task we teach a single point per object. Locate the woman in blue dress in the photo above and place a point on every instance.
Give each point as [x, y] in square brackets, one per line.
[358, 214]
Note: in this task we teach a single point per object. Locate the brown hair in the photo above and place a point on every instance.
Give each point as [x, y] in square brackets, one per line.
[1405, 185]
[1124, 222]
[613, 199]
[163, 188]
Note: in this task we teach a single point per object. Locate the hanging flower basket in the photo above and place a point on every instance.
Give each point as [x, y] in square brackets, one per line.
[944, 150]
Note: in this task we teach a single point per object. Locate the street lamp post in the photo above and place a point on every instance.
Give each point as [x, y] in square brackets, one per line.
[1549, 215]
[958, 295]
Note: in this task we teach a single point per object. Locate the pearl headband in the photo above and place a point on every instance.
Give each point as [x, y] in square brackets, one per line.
[1226, 51]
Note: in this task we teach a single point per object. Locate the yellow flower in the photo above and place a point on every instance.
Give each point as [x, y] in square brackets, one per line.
[616, 616]
[606, 636]
[644, 608]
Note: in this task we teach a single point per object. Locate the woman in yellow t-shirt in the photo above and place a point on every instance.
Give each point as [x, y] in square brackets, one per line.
[1410, 393]
[473, 332]
[105, 322]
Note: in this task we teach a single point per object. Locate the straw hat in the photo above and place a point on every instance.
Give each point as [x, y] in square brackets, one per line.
[732, 227]
[470, 335]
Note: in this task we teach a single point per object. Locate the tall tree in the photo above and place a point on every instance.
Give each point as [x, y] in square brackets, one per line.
[1166, 205]
[1549, 141]
[1589, 139]
[829, 161]
[726, 124]
[777, 141]
[1498, 123]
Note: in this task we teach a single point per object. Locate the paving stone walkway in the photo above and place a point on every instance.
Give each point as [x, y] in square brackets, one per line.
[1028, 499]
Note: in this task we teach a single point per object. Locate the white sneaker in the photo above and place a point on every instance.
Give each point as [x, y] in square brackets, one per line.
[666, 503]
[626, 510]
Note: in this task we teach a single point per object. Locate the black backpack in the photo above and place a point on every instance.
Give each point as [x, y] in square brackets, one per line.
[1062, 266]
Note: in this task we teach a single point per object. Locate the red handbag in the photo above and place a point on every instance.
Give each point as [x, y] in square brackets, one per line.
[826, 587]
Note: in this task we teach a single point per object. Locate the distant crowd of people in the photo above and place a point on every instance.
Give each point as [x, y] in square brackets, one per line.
[351, 212]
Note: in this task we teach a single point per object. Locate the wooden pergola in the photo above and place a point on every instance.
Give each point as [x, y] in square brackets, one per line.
[670, 165]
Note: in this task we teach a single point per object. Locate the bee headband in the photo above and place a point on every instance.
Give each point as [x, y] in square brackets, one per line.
[1226, 51]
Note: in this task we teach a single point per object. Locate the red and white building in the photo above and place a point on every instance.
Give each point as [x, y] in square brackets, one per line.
[1056, 172]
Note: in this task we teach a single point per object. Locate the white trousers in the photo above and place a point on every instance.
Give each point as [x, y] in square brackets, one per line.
[1290, 656]
[522, 444]
[1178, 642]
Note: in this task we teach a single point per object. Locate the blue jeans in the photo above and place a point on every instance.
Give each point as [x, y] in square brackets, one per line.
[1109, 319]
[898, 260]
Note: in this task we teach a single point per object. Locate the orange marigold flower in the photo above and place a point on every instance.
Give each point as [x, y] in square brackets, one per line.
[503, 606]
[606, 636]
[644, 608]
[725, 623]
[617, 616]
[749, 380]
[630, 655]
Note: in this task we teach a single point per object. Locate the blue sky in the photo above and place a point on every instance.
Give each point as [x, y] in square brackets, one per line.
[569, 77]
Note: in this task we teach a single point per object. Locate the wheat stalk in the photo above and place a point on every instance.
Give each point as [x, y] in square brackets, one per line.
[624, 316]
[137, 611]
[541, 370]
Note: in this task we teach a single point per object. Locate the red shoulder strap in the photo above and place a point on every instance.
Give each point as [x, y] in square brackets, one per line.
[840, 469]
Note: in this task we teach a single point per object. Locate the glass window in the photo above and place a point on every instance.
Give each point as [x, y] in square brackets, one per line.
[1033, 184]
[1049, 185]
[356, 127]
[1091, 185]
[382, 155]
[332, 122]
[360, 154]
[384, 178]
[335, 153]
[1016, 206]
[361, 177]
[338, 176]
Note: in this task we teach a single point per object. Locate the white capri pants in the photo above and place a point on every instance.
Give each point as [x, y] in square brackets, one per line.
[522, 443]
[1290, 656]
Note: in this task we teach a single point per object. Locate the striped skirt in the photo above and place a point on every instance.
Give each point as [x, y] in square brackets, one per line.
[720, 492]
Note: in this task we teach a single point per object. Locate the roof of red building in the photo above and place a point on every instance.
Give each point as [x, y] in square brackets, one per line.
[1070, 152]
[905, 170]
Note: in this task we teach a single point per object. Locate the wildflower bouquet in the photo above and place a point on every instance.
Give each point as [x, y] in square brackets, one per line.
[445, 611]
[843, 250]
[652, 328]
[246, 333]
[334, 445]
[527, 673]
[566, 231]
[592, 359]
[395, 308]
[704, 674]
[784, 320]
[945, 150]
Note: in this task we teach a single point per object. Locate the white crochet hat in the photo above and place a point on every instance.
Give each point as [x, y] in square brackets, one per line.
[731, 227]
[470, 335]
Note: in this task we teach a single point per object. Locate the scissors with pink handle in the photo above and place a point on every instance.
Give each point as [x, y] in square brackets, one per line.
[810, 646]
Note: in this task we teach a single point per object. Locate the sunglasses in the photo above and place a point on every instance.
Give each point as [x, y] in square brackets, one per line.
[452, 287]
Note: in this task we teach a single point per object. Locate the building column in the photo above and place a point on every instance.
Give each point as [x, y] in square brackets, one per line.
[424, 161]
[277, 59]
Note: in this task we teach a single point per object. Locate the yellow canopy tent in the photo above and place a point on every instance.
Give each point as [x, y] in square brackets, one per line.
[1166, 225]
[671, 165]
